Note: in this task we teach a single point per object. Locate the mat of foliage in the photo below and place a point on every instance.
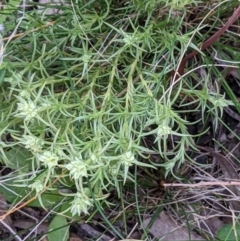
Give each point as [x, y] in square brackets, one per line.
[87, 96]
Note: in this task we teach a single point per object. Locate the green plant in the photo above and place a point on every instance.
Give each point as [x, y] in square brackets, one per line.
[229, 232]
[80, 91]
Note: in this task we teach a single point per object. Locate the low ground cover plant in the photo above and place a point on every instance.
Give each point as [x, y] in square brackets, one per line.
[87, 95]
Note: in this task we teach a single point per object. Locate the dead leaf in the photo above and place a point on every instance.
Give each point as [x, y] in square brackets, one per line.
[130, 240]
[30, 224]
[75, 239]
[165, 228]
[214, 223]
[229, 173]
[4, 208]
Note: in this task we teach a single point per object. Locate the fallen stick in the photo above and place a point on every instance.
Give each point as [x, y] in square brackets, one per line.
[200, 184]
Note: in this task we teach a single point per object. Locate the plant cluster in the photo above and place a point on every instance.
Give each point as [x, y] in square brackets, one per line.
[82, 89]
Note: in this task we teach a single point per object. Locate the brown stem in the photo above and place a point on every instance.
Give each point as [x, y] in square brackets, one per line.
[180, 70]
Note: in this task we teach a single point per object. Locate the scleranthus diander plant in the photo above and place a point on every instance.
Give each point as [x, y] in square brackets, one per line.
[79, 96]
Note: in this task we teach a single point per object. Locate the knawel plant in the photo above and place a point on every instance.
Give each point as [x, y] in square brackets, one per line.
[82, 89]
